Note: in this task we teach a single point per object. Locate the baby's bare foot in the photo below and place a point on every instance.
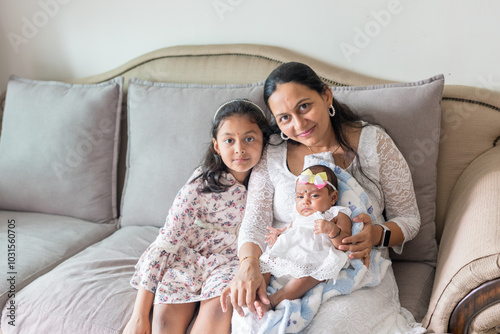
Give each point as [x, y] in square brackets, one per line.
[261, 308]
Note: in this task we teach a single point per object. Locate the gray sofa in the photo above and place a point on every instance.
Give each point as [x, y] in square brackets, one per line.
[89, 168]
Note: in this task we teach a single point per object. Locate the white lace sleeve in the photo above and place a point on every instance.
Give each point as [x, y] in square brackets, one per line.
[259, 207]
[397, 187]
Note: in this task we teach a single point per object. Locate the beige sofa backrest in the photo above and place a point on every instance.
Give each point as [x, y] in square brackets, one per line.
[468, 114]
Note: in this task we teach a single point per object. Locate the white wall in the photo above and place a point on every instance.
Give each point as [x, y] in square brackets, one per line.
[399, 40]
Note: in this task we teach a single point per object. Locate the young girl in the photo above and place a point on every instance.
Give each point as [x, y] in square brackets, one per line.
[305, 253]
[195, 256]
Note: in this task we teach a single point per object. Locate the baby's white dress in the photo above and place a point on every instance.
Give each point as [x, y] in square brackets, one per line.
[299, 252]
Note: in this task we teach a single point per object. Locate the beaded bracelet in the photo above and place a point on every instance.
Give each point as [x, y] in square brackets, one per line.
[271, 304]
[336, 235]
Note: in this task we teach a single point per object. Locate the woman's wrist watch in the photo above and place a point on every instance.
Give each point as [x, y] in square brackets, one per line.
[386, 236]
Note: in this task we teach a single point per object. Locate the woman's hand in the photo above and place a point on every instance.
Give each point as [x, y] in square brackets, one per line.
[248, 285]
[360, 244]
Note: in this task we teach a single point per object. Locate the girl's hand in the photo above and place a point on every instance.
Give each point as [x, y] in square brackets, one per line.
[360, 244]
[248, 284]
[273, 235]
[324, 226]
[138, 325]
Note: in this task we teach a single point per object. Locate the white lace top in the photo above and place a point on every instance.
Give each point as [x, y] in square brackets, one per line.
[272, 188]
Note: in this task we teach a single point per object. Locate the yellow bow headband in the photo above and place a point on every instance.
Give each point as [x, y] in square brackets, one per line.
[319, 180]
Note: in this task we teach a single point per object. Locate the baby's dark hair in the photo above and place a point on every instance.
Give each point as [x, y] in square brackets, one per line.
[332, 178]
[212, 164]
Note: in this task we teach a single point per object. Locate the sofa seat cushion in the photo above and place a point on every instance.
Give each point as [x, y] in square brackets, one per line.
[89, 293]
[415, 282]
[38, 242]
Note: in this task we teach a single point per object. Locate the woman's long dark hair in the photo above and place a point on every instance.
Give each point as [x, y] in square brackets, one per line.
[212, 165]
[302, 74]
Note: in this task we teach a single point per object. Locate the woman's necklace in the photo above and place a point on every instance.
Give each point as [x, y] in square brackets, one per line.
[333, 152]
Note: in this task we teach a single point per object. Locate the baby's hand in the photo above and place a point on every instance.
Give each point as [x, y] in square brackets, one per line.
[273, 235]
[323, 226]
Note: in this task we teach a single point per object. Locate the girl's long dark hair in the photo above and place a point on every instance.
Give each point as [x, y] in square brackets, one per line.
[302, 74]
[212, 165]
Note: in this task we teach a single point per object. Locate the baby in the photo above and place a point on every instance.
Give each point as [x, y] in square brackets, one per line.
[305, 253]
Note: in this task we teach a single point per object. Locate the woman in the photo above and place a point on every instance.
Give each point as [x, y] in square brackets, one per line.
[310, 121]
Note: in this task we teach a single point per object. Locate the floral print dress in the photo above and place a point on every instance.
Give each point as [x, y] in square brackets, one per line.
[194, 256]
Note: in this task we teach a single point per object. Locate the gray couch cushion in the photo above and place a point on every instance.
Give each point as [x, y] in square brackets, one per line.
[411, 115]
[89, 293]
[415, 282]
[41, 242]
[59, 148]
[169, 130]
